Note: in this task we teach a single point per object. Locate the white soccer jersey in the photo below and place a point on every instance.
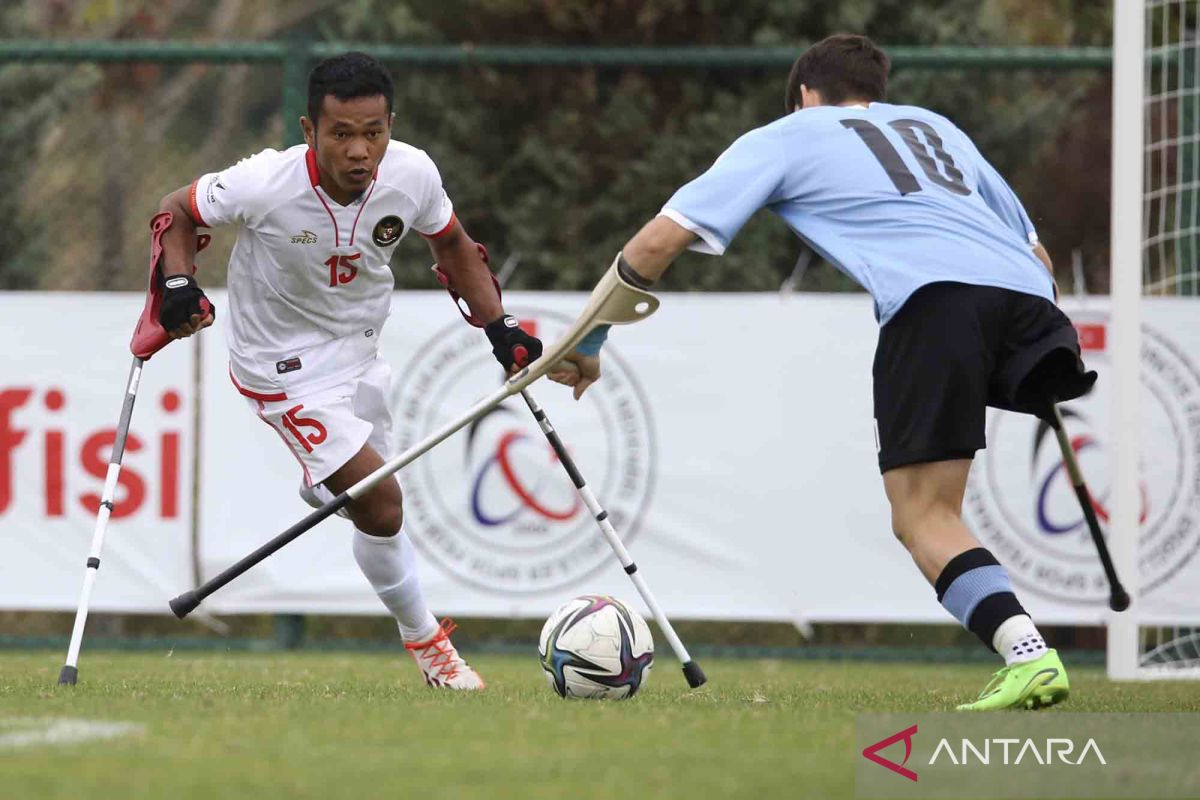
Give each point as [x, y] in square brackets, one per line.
[309, 283]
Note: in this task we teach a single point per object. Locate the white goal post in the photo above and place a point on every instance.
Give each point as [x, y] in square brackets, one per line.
[1155, 230]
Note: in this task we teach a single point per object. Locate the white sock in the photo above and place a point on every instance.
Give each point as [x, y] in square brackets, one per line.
[390, 564]
[1018, 640]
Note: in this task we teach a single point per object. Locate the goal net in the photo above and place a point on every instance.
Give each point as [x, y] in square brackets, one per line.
[1155, 223]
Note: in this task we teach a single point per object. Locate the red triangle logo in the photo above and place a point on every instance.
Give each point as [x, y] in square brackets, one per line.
[872, 752]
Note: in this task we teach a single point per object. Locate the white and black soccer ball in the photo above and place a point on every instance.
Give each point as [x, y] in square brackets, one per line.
[596, 647]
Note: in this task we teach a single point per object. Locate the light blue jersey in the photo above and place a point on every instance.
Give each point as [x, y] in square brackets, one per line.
[894, 196]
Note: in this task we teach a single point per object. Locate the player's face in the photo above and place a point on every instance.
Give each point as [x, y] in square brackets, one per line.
[350, 138]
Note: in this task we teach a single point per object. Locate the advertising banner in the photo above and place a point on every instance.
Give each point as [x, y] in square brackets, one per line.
[739, 468]
[61, 389]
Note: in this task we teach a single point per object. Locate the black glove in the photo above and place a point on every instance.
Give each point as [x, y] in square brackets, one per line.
[511, 345]
[182, 297]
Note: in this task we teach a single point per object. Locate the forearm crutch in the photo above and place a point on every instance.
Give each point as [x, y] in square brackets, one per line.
[1118, 598]
[148, 338]
[614, 301]
[691, 670]
[70, 671]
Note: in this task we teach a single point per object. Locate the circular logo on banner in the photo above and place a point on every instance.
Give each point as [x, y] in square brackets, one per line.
[493, 506]
[1024, 507]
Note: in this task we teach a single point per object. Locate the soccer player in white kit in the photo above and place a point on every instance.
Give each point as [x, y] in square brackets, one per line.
[309, 291]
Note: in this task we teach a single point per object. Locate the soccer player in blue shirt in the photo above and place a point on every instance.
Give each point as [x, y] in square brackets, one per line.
[900, 200]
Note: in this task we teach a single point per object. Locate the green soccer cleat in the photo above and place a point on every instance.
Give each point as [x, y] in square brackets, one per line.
[1031, 685]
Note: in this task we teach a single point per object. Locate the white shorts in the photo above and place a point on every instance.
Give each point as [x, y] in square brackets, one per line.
[326, 428]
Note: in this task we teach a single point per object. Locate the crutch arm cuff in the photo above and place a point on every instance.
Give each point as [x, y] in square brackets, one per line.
[630, 275]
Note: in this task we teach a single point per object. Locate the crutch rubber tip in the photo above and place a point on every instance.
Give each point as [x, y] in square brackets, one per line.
[69, 676]
[695, 675]
[185, 604]
[1119, 599]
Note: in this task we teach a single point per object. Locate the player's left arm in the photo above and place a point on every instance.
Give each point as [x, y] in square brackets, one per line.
[1003, 201]
[461, 260]
[459, 257]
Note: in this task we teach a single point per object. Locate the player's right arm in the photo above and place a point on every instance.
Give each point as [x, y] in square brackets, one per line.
[704, 215]
[643, 261]
[1040, 252]
[1005, 204]
[235, 195]
[185, 309]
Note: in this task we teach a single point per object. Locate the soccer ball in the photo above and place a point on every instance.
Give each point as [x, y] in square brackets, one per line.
[596, 647]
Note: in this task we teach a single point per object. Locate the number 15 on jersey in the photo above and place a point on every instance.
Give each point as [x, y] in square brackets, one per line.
[342, 269]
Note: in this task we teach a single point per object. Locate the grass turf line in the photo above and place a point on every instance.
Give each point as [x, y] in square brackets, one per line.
[359, 726]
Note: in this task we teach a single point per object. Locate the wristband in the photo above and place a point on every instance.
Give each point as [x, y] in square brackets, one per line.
[590, 345]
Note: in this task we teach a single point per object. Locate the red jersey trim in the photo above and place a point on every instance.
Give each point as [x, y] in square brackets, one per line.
[366, 200]
[443, 231]
[337, 237]
[259, 396]
[195, 209]
[310, 161]
[314, 177]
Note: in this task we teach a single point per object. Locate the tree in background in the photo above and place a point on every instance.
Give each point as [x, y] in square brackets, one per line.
[556, 164]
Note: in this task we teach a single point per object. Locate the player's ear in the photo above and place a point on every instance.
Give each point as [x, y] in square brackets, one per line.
[391, 120]
[310, 132]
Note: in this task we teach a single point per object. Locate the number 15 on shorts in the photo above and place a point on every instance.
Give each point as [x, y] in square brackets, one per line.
[294, 422]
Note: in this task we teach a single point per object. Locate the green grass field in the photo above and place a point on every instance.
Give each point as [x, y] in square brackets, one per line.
[360, 726]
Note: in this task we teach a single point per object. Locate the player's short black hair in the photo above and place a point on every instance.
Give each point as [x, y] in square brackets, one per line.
[346, 77]
[842, 67]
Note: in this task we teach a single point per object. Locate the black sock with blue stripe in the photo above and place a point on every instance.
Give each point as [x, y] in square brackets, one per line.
[976, 589]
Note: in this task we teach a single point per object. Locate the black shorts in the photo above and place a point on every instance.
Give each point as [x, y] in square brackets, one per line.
[952, 350]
